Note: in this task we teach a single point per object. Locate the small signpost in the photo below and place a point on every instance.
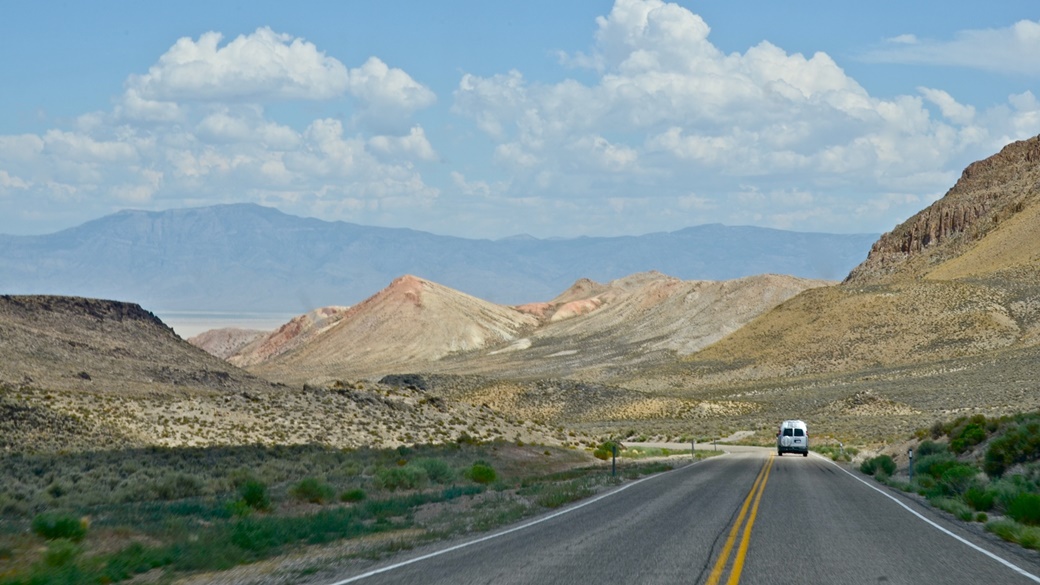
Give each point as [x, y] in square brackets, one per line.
[613, 459]
[910, 454]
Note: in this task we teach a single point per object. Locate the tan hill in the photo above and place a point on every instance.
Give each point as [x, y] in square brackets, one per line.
[958, 279]
[592, 330]
[81, 374]
[298, 331]
[410, 322]
[227, 341]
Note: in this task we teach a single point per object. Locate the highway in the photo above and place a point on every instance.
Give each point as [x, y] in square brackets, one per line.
[747, 517]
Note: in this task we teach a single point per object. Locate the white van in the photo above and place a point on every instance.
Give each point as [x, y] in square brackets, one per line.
[793, 437]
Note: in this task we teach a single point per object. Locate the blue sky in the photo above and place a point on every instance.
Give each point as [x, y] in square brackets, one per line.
[490, 119]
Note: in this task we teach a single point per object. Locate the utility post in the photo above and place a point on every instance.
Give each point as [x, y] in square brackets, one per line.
[910, 455]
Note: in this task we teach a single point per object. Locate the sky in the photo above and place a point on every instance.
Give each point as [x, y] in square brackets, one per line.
[488, 119]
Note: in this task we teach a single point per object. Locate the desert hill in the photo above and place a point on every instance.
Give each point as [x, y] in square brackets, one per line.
[81, 374]
[72, 343]
[984, 225]
[958, 279]
[591, 330]
[410, 322]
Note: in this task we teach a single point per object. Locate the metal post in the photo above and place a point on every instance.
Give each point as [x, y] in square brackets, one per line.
[910, 454]
[613, 460]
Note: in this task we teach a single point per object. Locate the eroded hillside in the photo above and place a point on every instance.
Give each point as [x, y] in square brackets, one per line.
[960, 278]
[590, 331]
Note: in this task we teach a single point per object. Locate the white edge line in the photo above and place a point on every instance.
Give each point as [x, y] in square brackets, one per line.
[510, 530]
[1000, 560]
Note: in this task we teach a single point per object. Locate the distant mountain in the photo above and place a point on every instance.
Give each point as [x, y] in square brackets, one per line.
[245, 257]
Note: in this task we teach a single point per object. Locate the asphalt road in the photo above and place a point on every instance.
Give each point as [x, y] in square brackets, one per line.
[748, 517]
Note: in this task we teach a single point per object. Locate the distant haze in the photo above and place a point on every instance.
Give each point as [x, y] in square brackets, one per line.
[246, 258]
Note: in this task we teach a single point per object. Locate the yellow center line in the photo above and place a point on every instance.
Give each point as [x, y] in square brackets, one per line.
[754, 495]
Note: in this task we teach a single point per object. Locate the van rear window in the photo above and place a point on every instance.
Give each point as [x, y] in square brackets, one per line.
[799, 433]
[787, 432]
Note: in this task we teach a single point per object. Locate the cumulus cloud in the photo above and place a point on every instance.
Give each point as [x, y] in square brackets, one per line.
[414, 145]
[388, 96]
[195, 128]
[1011, 50]
[261, 66]
[666, 103]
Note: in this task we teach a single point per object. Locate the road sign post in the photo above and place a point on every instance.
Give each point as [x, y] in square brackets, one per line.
[910, 455]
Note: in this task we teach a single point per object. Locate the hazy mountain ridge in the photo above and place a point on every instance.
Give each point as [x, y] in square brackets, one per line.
[250, 258]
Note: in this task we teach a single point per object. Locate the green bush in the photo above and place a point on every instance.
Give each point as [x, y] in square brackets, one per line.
[971, 435]
[53, 525]
[408, 477]
[437, 470]
[254, 495]
[1018, 445]
[482, 473]
[882, 463]
[957, 478]
[313, 490]
[980, 498]
[353, 495]
[1025, 508]
[61, 553]
[933, 465]
[927, 448]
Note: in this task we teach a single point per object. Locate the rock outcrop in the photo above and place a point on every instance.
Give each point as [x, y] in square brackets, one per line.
[989, 192]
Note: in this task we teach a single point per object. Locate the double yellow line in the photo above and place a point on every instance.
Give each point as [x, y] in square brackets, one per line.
[738, 561]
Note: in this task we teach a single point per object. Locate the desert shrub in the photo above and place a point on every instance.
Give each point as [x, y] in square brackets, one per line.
[254, 495]
[176, 486]
[481, 472]
[882, 463]
[437, 470]
[1018, 444]
[954, 506]
[353, 495]
[933, 465]
[927, 448]
[980, 498]
[408, 477]
[61, 553]
[971, 435]
[313, 490]
[957, 478]
[53, 525]
[1025, 508]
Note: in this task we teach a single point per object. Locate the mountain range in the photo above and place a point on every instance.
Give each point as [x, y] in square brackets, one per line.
[247, 258]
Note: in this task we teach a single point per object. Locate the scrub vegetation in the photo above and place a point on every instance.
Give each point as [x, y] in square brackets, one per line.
[978, 469]
[106, 516]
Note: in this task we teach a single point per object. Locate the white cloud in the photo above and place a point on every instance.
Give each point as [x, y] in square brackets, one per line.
[414, 145]
[949, 107]
[261, 66]
[388, 96]
[1011, 50]
[666, 103]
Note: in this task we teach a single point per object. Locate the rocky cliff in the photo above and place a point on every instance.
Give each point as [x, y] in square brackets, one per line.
[988, 193]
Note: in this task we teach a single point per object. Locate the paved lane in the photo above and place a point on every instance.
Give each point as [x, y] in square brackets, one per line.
[750, 517]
